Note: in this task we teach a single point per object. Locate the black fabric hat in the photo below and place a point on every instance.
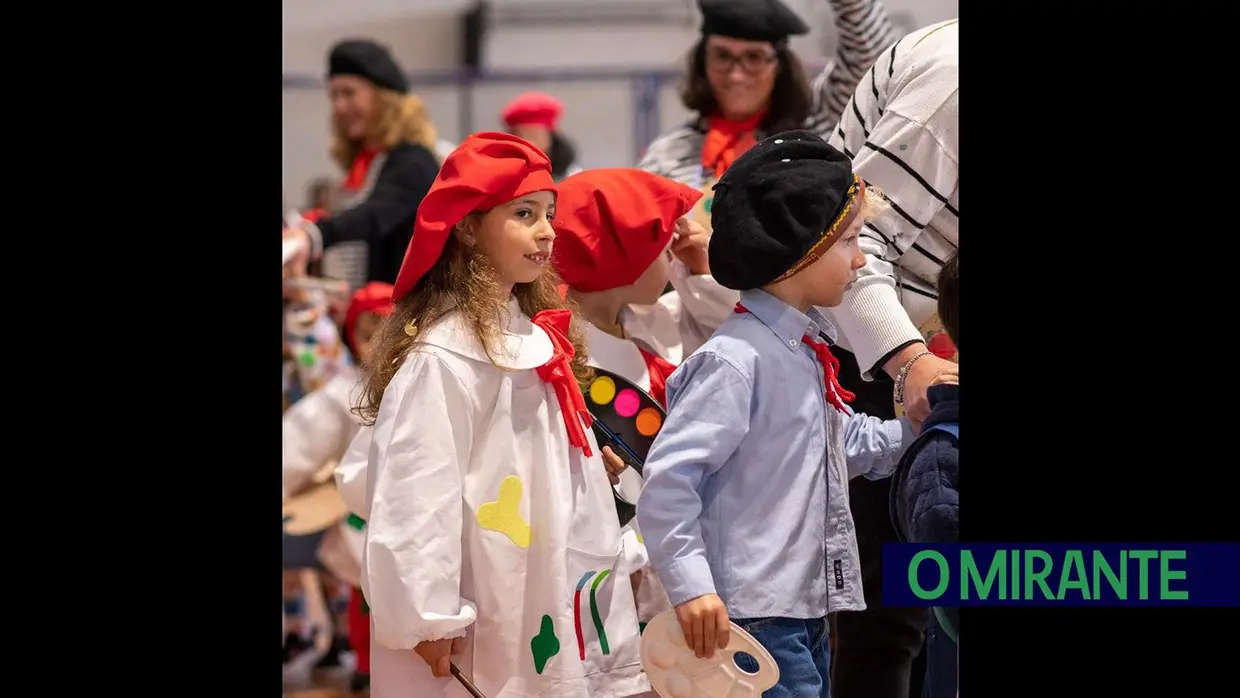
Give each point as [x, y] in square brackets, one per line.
[782, 204]
[750, 20]
[369, 60]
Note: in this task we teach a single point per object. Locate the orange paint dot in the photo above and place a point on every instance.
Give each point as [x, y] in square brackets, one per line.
[649, 421]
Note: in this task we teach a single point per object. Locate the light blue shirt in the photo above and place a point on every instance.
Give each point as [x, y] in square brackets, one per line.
[745, 489]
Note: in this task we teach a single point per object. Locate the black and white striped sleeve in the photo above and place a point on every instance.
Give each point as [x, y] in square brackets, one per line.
[864, 31]
[907, 148]
[664, 154]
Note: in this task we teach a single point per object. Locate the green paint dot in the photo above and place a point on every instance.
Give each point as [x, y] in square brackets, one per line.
[641, 628]
[709, 201]
[306, 358]
[544, 645]
[356, 522]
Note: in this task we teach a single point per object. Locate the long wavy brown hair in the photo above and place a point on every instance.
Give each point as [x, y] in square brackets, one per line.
[397, 118]
[461, 280]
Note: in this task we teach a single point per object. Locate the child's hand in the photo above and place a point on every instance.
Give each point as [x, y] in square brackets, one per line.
[704, 621]
[689, 245]
[296, 267]
[614, 465]
[437, 654]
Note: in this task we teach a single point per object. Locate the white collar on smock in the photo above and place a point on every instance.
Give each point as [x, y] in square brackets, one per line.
[524, 345]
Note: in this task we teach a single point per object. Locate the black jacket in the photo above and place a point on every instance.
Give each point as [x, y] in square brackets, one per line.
[385, 219]
[925, 488]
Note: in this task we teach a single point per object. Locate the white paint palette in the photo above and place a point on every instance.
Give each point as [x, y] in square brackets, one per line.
[675, 672]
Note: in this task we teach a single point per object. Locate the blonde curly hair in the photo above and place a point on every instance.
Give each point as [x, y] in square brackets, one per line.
[397, 118]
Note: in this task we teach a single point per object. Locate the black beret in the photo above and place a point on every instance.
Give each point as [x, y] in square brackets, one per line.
[369, 60]
[751, 20]
[775, 204]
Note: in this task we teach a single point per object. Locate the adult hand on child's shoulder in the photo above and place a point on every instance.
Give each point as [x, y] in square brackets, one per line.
[923, 371]
[704, 621]
[689, 244]
[438, 654]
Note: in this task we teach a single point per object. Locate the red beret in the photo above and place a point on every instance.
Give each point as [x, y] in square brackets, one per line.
[375, 297]
[533, 108]
[485, 171]
[612, 224]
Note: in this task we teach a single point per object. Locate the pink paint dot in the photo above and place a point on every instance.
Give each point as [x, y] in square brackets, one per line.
[627, 403]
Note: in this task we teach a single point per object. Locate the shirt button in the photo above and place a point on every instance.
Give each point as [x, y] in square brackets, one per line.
[792, 342]
[835, 521]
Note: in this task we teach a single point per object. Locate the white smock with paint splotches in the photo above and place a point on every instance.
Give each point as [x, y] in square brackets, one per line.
[483, 521]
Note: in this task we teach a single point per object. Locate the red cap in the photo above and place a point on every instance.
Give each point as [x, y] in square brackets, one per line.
[375, 297]
[485, 171]
[533, 108]
[612, 224]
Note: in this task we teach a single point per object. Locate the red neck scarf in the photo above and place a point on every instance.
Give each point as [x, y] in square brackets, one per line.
[354, 181]
[357, 173]
[659, 370]
[726, 140]
[836, 395]
[558, 371]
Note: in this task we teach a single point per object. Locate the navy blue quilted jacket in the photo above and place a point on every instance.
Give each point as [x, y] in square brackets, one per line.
[925, 492]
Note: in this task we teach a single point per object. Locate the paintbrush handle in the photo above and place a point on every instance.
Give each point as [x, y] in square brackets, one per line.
[469, 686]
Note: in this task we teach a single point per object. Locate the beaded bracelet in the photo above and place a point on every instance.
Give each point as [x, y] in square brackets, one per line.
[904, 374]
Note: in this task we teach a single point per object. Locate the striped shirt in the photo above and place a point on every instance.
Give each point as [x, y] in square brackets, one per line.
[864, 30]
[901, 129]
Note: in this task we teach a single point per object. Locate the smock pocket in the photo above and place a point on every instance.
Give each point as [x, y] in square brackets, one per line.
[605, 633]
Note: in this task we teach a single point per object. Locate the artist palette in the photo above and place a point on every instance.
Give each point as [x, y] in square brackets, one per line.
[628, 419]
[317, 509]
[676, 672]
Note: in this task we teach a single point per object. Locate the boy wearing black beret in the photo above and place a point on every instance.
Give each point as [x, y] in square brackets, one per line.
[745, 507]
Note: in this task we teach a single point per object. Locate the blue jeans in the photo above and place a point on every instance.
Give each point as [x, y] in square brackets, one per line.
[800, 650]
[941, 663]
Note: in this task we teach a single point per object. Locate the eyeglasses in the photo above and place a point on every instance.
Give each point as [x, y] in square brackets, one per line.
[723, 61]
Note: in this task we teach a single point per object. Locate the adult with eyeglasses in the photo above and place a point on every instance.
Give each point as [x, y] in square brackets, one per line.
[745, 83]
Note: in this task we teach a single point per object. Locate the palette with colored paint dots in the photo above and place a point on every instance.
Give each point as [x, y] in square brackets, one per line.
[626, 418]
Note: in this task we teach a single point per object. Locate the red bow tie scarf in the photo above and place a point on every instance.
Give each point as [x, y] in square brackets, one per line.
[836, 394]
[659, 371]
[559, 373]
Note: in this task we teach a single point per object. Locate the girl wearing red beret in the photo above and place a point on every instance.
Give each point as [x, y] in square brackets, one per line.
[492, 541]
[317, 431]
[535, 117]
[622, 236]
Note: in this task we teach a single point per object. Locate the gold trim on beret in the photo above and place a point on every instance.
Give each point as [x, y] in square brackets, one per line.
[848, 213]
